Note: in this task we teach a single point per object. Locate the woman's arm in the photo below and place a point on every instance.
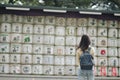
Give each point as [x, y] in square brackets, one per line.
[78, 53]
[92, 52]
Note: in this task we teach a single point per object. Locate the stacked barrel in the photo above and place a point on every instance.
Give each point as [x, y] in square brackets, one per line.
[46, 45]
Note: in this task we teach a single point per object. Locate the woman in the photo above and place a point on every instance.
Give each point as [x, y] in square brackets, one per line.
[84, 45]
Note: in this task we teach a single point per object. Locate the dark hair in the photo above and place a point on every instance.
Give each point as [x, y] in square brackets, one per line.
[84, 43]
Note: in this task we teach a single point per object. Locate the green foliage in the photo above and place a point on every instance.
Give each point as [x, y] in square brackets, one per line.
[56, 3]
[82, 4]
[30, 2]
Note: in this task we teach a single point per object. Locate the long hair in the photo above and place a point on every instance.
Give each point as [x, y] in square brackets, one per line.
[84, 43]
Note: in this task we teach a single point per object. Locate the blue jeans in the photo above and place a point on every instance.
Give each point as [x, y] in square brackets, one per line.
[85, 75]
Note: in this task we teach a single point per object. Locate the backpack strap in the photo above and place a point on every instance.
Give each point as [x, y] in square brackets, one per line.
[89, 49]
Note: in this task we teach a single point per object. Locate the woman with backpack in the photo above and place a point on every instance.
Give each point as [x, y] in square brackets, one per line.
[84, 58]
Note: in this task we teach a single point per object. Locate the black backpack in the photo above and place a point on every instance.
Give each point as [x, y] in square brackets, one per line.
[86, 60]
